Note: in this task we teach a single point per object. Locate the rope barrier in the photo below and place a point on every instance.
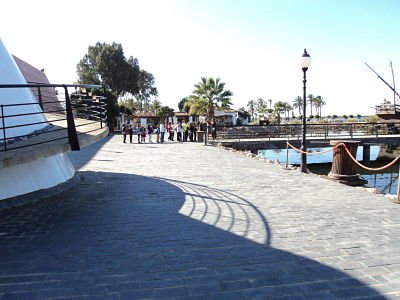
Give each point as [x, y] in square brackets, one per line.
[351, 156]
[311, 153]
[367, 168]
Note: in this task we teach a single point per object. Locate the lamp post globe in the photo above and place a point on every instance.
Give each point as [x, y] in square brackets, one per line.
[305, 64]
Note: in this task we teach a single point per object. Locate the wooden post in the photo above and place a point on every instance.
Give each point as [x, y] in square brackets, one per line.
[366, 152]
[343, 167]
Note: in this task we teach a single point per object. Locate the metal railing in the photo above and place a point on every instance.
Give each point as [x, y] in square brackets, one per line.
[51, 117]
[323, 130]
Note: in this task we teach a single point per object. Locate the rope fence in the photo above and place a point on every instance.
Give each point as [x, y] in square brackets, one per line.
[352, 158]
[349, 153]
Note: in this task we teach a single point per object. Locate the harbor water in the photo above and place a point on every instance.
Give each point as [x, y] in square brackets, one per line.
[384, 181]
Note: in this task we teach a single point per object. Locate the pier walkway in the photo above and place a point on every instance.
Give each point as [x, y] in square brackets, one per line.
[188, 221]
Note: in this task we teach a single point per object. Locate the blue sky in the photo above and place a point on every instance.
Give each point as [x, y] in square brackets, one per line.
[254, 46]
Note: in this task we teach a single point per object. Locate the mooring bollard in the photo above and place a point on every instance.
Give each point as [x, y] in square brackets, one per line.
[343, 167]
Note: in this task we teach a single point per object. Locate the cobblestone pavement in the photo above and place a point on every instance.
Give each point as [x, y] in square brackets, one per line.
[187, 221]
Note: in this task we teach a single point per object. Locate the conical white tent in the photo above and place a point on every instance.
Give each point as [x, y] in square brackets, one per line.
[10, 74]
[36, 175]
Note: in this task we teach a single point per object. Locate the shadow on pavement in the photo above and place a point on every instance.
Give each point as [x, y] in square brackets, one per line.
[121, 236]
[80, 158]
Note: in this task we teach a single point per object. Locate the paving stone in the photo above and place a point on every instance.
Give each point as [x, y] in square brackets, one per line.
[188, 221]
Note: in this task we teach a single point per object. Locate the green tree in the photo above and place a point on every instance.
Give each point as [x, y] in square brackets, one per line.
[280, 107]
[129, 103]
[146, 89]
[183, 104]
[298, 103]
[243, 114]
[155, 105]
[196, 106]
[164, 112]
[311, 102]
[212, 92]
[261, 107]
[318, 103]
[251, 106]
[106, 65]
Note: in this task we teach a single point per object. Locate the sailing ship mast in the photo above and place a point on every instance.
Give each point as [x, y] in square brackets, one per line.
[394, 85]
[385, 111]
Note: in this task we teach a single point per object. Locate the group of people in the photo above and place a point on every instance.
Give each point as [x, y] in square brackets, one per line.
[184, 132]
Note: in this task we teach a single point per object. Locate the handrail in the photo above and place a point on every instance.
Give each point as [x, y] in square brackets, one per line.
[22, 85]
[93, 110]
[324, 130]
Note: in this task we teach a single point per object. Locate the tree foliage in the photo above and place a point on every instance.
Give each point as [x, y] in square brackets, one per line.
[262, 107]
[184, 105]
[146, 89]
[251, 106]
[105, 64]
[298, 103]
[164, 112]
[210, 93]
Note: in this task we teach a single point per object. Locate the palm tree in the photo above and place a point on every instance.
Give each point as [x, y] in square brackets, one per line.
[311, 101]
[212, 91]
[251, 106]
[270, 103]
[298, 103]
[261, 107]
[279, 108]
[318, 103]
[288, 109]
[196, 107]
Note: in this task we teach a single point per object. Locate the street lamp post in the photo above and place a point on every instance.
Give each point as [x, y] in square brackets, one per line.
[305, 63]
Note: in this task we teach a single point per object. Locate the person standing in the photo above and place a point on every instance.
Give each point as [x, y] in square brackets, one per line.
[191, 128]
[195, 132]
[150, 132]
[124, 129]
[143, 134]
[172, 129]
[158, 133]
[185, 131]
[179, 132]
[213, 129]
[162, 132]
[130, 132]
[138, 133]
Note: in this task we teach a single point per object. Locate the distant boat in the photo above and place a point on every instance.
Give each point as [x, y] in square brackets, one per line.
[388, 111]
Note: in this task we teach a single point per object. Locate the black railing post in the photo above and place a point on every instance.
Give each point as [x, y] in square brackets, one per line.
[72, 135]
[101, 114]
[40, 98]
[326, 131]
[4, 127]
